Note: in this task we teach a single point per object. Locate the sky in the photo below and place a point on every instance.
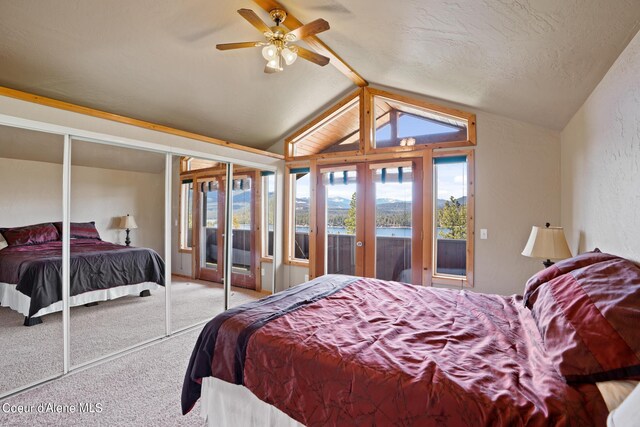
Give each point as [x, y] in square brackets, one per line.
[451, 180]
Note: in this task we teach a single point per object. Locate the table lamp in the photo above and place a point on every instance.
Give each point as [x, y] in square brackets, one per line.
[547, 243]
[128, 223]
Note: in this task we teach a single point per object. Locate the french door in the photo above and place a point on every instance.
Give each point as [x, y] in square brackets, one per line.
[210, 208]
[369, 220]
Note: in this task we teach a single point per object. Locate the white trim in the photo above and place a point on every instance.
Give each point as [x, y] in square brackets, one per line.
[168, 249]
[66, 254]
[228, 237]
[17, 301]
[101, 138]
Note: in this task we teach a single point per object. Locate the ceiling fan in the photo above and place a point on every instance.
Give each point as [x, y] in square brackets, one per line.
[278, 49]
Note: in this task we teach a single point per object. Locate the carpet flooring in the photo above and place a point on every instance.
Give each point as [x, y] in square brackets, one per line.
[138, 389]
[35, 353]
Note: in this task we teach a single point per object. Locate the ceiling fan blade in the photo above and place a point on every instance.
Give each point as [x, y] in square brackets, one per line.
[229, 46]
[254, 20]
[310, 29]
[312, 56]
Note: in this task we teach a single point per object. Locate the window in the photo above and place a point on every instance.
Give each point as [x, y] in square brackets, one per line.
[337, 131]
[300, 214]
[399, 124]
[451, 218]
[269, 212]
[414, 213]
[186, 214]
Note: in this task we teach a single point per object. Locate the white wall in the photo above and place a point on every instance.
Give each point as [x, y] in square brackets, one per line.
[517, 186]
[32, 193]
[601, 163]
[104, 195]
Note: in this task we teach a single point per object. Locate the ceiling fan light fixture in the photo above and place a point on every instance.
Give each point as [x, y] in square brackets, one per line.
[289, 55]
[269, 52]
[274, 64]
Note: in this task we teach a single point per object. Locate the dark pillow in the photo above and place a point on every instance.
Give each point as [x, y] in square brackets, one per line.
[30, 234]
[80, 230]
[558, 269]
[589, 318]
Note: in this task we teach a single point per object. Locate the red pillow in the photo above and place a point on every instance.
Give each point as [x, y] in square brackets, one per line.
[558, 269]
[589, 319]
[31, 234]
[80, 230]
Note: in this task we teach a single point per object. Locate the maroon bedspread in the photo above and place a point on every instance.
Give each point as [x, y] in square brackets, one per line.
[367, 352]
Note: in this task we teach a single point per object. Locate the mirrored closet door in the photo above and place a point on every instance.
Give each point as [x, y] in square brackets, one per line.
[31, 184]
[253, 231]
[198, 253]
[117, 268]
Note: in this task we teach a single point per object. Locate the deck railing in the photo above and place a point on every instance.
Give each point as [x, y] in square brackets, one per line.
[393, 254]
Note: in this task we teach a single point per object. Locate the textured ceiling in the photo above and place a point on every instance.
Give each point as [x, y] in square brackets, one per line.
[535, 60]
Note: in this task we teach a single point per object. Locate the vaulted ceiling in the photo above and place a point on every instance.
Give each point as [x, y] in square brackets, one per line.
[534, 60]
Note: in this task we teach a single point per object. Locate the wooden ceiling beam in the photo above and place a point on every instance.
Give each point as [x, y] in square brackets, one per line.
[315, 43]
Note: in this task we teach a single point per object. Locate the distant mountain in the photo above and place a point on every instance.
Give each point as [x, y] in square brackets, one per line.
[340, 203]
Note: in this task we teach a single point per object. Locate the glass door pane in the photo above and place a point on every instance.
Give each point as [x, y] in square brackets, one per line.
[211, 234]
[450, 184]
[246, 269]
[339, 189]
[197, 293]
[393, 204]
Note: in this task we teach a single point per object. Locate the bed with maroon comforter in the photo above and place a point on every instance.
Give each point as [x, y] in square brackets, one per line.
[343, 350]
[94, 264]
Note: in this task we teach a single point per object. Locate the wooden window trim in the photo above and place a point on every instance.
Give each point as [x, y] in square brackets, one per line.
[447, 111]
[181, 248]
[315, 124]
[444, 279]
[366, 96]
[289, 217]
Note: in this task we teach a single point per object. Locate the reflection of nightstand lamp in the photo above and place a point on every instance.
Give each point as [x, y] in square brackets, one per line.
[128, 223]
[547, 243]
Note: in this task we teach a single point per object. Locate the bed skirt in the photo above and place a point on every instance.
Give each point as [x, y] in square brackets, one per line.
[229, 405]
[16, 300]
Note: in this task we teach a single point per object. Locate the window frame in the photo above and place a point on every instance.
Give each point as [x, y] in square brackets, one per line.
[183, 203]
[290, 206]
[370, 124]
[321, 120]
[264, 215]
[368, 153]
[448, 279]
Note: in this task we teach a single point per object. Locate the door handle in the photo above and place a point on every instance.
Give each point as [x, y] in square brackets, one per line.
[359, 244]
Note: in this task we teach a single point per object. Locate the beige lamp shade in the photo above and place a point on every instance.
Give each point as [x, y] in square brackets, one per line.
[547, 243]
[128, 222]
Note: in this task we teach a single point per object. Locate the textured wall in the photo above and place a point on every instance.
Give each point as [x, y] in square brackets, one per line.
[601, 163]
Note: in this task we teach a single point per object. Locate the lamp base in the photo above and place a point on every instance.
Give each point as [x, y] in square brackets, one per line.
[127, 241]
[548, 263]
